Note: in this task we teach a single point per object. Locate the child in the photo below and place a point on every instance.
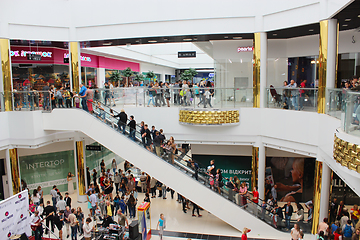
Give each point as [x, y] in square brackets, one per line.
[77, 100]
[161, 225]
[41, 209]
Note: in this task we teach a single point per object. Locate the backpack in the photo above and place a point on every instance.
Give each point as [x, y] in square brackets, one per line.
[347, 231]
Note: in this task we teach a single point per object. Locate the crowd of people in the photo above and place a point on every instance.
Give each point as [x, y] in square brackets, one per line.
[184, 93]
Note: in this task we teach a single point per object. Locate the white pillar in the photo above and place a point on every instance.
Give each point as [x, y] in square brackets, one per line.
[8, 173]
[331, 55]
[100, 77]
[325, 192]
[162, 77]
[261, 170]
[263, 69]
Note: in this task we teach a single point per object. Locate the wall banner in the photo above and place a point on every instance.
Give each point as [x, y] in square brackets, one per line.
[47, 169]
[14, 215]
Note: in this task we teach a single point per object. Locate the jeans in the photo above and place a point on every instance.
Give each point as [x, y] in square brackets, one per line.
[151, 98]
[107, 98]
[163, 192]
[287, 221]
[131, 211]
[83, 104]
[122, 128]
[38, 233]
[295, 102]
[54, 201]
[74, 232]
[132, 134]
[46, 103]
[93, 208]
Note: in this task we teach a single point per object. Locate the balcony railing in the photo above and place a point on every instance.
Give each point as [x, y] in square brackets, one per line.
[298, 99]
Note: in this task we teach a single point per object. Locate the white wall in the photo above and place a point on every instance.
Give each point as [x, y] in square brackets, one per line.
[119, 19]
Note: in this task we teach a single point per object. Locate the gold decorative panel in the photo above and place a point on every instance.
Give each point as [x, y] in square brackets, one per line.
[208, 117]
[347, 154]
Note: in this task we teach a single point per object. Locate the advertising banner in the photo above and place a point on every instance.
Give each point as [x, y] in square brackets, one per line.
[14, 216]
[47, 169]
[290, 179]
[230, 166]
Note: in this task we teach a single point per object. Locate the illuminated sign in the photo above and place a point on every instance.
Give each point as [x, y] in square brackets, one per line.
[83, 58]
[245, 49]
[211, 75]
[26, 53]
[189, 54]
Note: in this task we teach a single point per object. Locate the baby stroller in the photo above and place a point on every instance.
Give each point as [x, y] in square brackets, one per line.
[275, 96]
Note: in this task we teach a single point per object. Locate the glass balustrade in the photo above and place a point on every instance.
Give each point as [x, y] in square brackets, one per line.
[33, 100]
[2, 103]
[335, 102]
[298, 99]
[164, 97]
[351, 116]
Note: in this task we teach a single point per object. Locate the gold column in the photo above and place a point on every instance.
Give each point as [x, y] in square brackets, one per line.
[317, 196]
[254, 166]
[256, 70]
[6, 73]
[15, 171]
[75, 66]
[80, 167]
[323, 45]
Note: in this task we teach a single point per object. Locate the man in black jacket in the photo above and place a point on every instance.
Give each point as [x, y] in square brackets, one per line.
[132, 126]
[67, 199]
[147, 136]
[122, 120]
[88, 176]
[288, 209]
[48, 210]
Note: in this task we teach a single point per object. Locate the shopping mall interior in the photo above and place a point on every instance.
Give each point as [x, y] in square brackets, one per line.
[251, 110]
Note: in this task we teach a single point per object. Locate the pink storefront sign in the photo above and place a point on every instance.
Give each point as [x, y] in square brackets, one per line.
[56, 56]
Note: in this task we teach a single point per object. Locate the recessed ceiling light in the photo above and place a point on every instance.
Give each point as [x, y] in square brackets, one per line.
[311, 30]
[195, 38]
[187, 39]
[348, 20]
[107, 43]
[345, 25]
[152, 41]
[226, 36]
[137, 41]
[237, 37]
[165, 39]
[358, 16]
[274, 34]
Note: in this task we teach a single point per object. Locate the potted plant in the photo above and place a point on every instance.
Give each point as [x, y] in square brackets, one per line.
[150, 74]
[139, 78]
[188, 75]
[115, 77]
[127, 73]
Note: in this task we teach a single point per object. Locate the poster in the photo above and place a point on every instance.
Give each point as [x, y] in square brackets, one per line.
[230, 166]
[290, 179]
[14, 215]
[47, 169]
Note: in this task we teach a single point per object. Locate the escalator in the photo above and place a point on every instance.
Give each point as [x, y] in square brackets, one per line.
[171, 169]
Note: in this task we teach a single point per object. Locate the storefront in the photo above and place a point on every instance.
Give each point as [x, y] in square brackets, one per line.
[54, 69]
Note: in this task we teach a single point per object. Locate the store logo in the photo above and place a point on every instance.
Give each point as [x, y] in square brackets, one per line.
[22, 215]
[82, 58]
[245, 49]
[22, 219]
[19, 196]
[8, 226]
[9, 234]
[7, 217]
[20, 199]
[23, 53]
[5, 205]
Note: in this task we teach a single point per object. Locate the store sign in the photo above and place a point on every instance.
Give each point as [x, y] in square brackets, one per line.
[83, 58]
[187, 54]
[245, 49]
[211, 75]
[93, 148]
[24, 53]
[34, 57]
